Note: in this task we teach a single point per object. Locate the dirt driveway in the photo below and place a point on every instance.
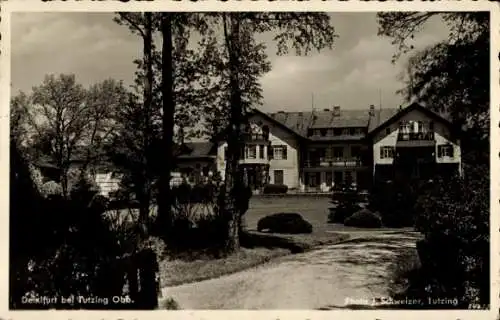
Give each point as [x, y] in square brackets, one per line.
[330, 277]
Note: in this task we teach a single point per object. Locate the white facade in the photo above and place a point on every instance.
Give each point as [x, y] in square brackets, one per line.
[442, 135]
[279, 167]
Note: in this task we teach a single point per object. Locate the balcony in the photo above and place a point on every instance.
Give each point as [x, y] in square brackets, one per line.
[416, 136]
[255, 137]
[334, 163]
[416, 139]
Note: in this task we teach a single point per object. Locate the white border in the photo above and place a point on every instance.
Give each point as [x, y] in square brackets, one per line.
[215, 5]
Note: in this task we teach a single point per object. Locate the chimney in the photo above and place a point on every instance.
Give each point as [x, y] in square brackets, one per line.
[372, 110]
[336, 111]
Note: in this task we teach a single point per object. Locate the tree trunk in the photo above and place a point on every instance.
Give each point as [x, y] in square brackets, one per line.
[147, 101]
[232, 175]
[164, 199]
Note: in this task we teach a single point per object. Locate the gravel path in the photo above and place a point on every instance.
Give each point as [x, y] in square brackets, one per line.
[351, 273]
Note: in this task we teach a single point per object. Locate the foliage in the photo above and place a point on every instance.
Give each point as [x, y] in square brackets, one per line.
[60, 116]
[395, 201]
[51, 188]
[452, 76]
[275, 189]
[284, 223]
[57, 252]
[364, 219]
[455, 253]
[346, 203]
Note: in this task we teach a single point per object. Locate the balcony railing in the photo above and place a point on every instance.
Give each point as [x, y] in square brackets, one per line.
[334, 162]
[416, 136]
[255, 137]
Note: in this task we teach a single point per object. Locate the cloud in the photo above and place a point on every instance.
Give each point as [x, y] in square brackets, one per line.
[93, 47]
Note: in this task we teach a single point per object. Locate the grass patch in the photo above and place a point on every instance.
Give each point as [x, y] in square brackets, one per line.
[180, 271]
[265, 248]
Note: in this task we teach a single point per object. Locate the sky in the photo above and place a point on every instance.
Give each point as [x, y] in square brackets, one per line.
[356, 73]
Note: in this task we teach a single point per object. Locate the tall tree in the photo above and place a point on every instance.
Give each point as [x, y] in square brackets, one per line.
[243, 62]
[452, 76]
[144, 25]
[60, 115]
[61, 118]
[173, 89]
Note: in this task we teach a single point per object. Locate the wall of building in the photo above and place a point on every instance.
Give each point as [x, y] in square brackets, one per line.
[442, 135]
[277, 136]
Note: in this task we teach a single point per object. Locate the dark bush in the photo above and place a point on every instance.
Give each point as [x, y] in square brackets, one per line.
[275, 189]
[453, 216]
[346, 203]
[364, 219]
[284, 223]
[395, 201]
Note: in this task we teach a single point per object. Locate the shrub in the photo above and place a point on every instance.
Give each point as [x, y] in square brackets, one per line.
[395, 201]
[346, 204]
[275, 189]
[284, 223]
[454, 254]
[51, 188]
[364, 219]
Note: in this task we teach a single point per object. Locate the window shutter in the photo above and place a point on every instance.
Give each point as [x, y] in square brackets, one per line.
[440, 151]
[270, 152]
[284, 152]
[382, 153]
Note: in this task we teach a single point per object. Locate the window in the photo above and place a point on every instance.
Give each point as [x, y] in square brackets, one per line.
[386, 152]
[261, 152]
[251, 152]
[338, 152]
[278, 177]
[420, 126]
[404, 127]
[388, 131]
[359, 131]
[337, 132]
[445, 150]
[345, 131]
[431, 126]
[348, 178]
[329, 178]
[355, 151]
[322, 153]
[279, 152]
[323, 132]
[338, 177]
[352, 131]
[309, 132]
[265, 132]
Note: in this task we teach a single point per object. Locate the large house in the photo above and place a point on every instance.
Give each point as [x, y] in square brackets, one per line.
[313, 151]
[316, 150]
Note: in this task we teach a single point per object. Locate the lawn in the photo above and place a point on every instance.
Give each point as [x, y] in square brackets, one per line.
[313, 209]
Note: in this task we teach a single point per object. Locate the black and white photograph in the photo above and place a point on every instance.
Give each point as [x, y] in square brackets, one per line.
[272, 160]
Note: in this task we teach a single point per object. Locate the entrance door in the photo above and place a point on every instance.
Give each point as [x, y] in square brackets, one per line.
[338, 178]
[278, 177]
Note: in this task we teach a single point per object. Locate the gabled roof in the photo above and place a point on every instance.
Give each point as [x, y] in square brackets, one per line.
[400, 113]
[196, 150]
[298, 123]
